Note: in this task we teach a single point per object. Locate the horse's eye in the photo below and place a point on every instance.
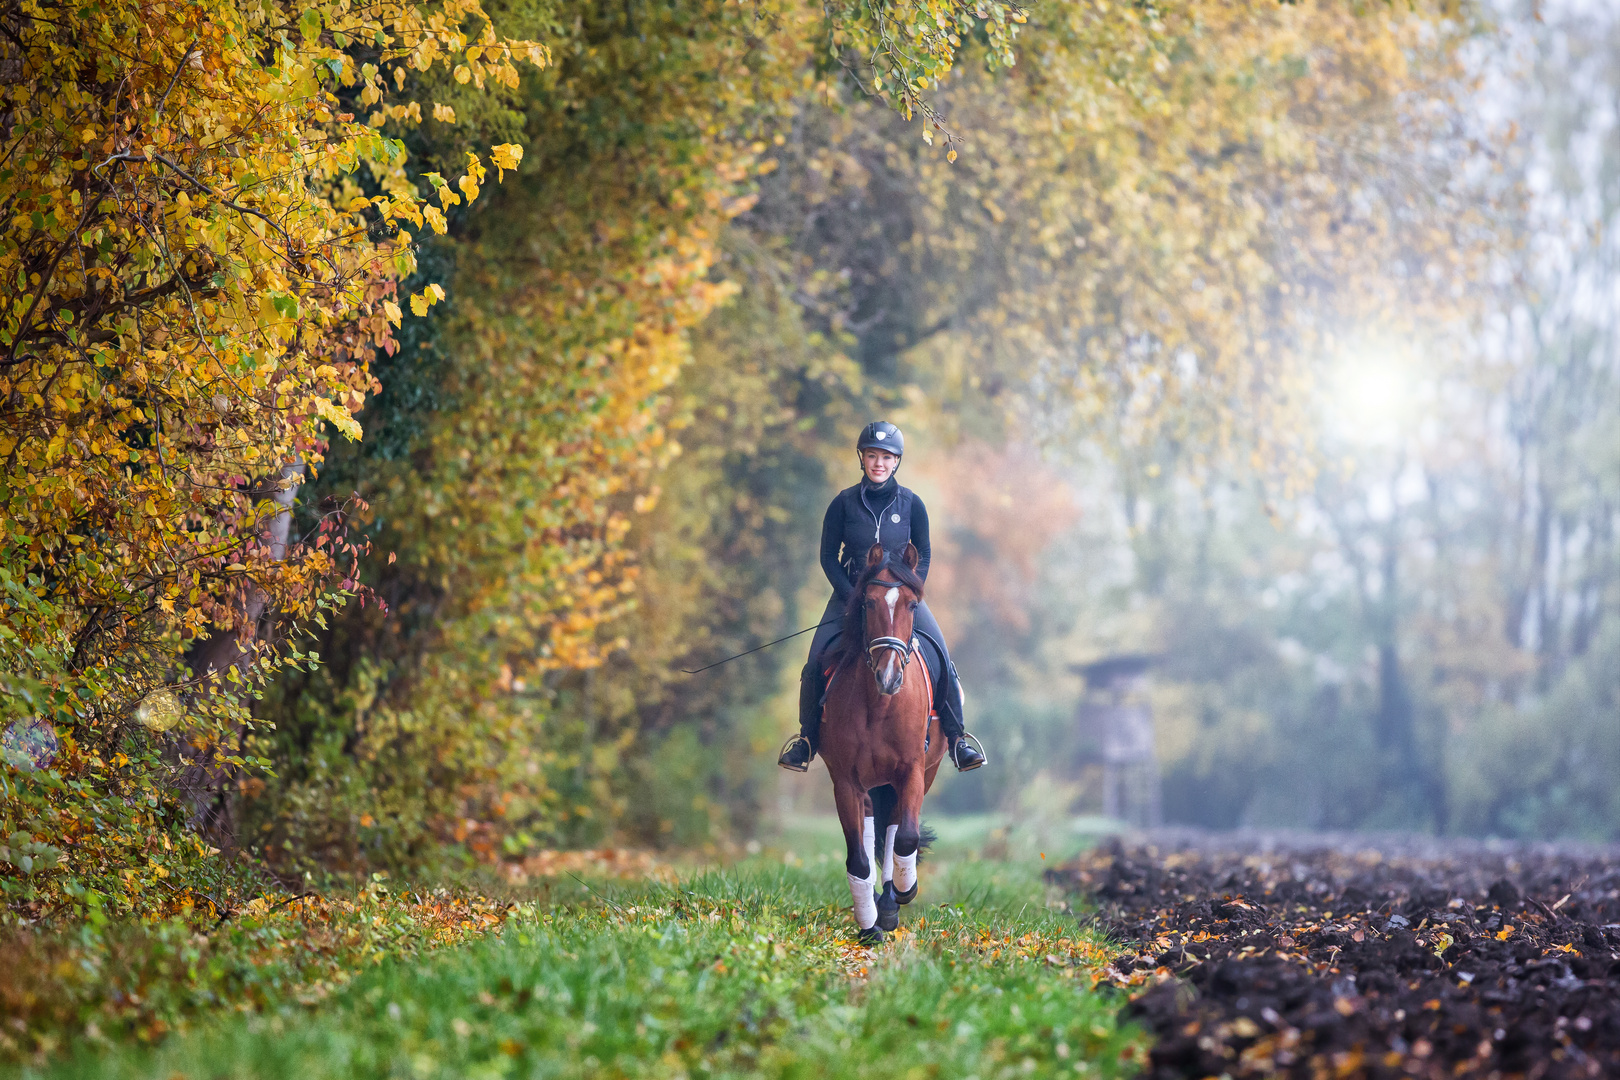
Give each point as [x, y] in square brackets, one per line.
[914, 605]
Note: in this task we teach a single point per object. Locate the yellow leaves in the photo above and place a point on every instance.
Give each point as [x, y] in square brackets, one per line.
[406, 209]
[338, 417]
[252, 281]
[444, 114]
[426, 299]
[506, 156]
[475, 176]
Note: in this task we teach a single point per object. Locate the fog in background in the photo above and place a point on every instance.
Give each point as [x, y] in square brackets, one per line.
[1420, 635]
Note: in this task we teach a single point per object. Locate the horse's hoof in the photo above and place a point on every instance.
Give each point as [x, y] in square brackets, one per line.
[888, 909]
[872, 935]
[906, 897]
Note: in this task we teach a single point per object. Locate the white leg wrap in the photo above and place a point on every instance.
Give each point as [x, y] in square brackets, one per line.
[905, 871]
[869, 838]
[888, 853]
[860, 891]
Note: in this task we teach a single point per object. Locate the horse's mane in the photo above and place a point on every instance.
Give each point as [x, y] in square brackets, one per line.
[852, 641]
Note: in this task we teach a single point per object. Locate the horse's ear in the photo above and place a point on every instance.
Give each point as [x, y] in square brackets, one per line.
[874, 556]
[909, 557]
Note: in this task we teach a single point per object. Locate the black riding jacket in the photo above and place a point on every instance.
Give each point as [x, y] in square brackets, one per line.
[863, 515]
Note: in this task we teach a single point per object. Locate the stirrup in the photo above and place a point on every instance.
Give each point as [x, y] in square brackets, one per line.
[787, 746]
[984, 759]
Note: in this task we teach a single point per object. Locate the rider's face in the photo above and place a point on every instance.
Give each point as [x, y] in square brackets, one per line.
[878, 464]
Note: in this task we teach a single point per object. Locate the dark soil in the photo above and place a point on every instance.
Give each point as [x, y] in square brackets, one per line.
[1302, 958]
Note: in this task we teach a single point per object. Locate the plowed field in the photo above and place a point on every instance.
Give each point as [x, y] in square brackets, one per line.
[1360, 958]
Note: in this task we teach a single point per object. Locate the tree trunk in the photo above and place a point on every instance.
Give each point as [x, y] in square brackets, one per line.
[204, 782]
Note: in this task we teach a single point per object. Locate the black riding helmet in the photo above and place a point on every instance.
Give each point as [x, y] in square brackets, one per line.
[881, 435]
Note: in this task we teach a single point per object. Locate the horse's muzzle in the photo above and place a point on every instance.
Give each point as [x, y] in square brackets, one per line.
[889, 670]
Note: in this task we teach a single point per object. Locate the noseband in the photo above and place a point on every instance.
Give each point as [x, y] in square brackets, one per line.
[878, 644]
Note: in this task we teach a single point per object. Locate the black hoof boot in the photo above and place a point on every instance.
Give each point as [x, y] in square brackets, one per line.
[872, 935]
[967, 754]
[905, 897]
[796, 755]
[888, 906]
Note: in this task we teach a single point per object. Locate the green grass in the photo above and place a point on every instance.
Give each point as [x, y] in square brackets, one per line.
[816, 839]
[746, 972]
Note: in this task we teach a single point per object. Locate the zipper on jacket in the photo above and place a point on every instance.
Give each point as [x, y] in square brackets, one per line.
[877, 518]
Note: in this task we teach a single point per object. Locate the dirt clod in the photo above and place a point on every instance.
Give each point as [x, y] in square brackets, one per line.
[1254, 958]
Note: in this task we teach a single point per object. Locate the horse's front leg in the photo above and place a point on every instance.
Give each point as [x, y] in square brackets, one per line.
[869, 836]
[884, 820]
[908, 836]
[859, 865]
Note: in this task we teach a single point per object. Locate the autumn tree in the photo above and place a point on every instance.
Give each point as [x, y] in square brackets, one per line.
[200, 258]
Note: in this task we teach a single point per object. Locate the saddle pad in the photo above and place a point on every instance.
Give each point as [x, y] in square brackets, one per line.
[930, 656]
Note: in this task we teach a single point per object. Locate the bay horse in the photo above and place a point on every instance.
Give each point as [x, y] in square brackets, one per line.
[879, 739]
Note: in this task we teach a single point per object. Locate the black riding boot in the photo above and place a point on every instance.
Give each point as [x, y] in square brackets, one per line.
[964, 755]
[802, 747]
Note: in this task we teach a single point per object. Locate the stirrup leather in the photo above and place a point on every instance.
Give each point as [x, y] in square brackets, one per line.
[984, 757]
[789, 746]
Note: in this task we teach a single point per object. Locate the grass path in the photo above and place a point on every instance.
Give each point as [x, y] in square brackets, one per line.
[746, 972]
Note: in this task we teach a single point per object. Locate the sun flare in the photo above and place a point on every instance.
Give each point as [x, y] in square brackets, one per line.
[1371, 396]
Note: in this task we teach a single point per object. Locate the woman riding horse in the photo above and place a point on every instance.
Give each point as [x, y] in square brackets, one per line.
[876, 510]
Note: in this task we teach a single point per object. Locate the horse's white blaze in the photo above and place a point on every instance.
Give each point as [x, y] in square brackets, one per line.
[888, 853]
[893, 597]
[905, 871]
[888, 671]
[860, 892]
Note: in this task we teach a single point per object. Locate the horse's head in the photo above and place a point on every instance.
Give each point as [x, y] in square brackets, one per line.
[886, 594]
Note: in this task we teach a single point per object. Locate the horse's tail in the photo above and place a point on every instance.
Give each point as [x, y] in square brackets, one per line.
[929, 839]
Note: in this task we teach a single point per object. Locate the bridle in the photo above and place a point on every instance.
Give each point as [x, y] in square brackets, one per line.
[878, 644]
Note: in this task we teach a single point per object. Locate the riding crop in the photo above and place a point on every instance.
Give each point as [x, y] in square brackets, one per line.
[756, 648]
